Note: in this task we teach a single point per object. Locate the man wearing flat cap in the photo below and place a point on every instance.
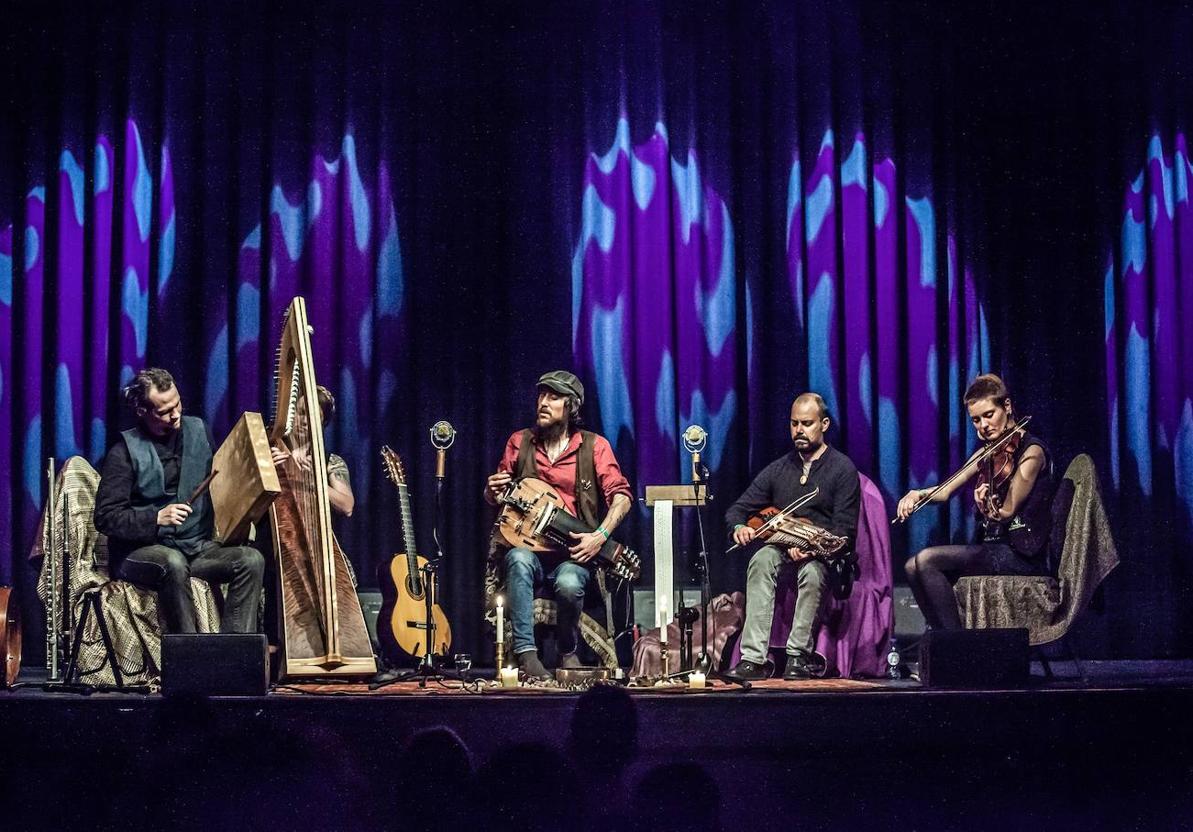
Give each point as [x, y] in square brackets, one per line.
[580, 465]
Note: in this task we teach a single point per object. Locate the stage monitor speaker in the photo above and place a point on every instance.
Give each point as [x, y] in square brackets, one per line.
[215, 664]
[974, 658]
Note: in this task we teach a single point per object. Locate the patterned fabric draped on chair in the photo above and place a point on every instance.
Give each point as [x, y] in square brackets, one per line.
[1047, 606]
[595, 635]
[131, 613]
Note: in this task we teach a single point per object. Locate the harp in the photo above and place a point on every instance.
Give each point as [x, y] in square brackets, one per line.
[322, 628]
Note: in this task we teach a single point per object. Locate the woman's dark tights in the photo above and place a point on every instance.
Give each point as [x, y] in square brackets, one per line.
[933, 571]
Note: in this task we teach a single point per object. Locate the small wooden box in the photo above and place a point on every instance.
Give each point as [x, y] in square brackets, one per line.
[247, 481]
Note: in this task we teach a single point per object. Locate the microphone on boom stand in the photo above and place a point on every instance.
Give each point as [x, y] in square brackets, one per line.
[695, 440]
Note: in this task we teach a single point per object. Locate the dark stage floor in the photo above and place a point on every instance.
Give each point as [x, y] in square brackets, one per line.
[1110, 750]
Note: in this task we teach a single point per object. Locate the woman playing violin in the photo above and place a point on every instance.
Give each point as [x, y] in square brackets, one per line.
[1012, 494]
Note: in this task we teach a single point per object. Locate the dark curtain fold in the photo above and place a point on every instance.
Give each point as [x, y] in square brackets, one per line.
[703, 209]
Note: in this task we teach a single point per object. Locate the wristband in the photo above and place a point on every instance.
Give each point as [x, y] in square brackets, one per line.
[601, 529]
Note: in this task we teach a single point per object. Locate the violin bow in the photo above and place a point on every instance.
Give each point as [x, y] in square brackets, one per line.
[989, 451]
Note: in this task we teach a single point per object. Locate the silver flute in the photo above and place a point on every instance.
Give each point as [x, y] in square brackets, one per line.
[50, 553]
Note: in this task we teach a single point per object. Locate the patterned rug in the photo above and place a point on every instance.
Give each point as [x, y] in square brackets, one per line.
[487, 687]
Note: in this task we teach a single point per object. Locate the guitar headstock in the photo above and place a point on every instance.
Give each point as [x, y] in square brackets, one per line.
[394, 471]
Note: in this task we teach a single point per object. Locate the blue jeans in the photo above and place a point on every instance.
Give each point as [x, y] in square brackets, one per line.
[524, 572]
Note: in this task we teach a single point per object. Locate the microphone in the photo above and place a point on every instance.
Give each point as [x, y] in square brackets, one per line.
[442, 437]
[695, 439]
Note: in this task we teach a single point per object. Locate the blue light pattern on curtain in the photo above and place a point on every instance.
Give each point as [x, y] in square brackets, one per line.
[76, 344]
[1149, 341]
[653, 302]
[655, 318]
[847, 286]
[335, 242]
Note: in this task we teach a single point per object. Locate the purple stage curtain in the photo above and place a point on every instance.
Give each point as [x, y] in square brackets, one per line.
[703, 209]
[1148, 292]
[1149, 339]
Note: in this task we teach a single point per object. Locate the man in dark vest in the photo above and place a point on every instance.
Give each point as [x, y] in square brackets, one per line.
[579, 465]
[156, 539]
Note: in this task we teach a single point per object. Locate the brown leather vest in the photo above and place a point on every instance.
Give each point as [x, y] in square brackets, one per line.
[587, 502]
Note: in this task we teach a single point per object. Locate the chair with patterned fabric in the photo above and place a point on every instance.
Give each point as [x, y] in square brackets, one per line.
[1082, 546]
[595, 620]
[130, 614]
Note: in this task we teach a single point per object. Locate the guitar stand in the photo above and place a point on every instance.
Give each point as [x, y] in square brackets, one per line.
[427, 669]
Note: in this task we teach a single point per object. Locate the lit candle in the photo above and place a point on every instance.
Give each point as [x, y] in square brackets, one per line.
[696, 680]
[509, 677]
[500, 620]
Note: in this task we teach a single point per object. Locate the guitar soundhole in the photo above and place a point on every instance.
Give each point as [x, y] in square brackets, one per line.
[414, 587]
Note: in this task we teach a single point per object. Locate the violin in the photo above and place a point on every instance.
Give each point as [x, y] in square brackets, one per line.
[996, 471]
[1003, 466]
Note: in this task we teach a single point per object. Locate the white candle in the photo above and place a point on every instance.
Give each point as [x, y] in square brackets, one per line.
[662, 619]
[500, 620]
[509, 677]
[696, 679]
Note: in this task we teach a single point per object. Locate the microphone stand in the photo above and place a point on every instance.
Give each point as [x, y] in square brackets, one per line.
[704, 662]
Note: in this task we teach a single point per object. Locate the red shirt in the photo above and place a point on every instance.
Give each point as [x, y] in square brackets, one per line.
[561, 474]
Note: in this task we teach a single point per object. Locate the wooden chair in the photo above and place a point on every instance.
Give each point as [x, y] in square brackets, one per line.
[595, 626]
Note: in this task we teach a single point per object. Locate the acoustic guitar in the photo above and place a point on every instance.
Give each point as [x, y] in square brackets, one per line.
[402, 623]
[533, 517]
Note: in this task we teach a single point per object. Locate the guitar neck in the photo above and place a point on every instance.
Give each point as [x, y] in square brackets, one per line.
[407, 522]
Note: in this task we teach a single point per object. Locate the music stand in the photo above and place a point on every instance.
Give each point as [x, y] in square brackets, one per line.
[694, 495]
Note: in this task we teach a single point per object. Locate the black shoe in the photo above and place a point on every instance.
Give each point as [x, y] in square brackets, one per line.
[797, 668]
[747, 671]
[531, 666]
